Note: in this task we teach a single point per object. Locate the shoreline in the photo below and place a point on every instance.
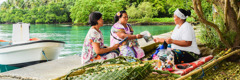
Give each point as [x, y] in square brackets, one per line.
[108, 24]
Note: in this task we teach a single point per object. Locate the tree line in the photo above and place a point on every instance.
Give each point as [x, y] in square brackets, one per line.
[35, 11]
[77, 11]
[220, 18]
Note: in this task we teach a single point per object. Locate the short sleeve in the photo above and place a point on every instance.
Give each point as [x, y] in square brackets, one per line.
[95, 37]
[188, 33]
[117, 27]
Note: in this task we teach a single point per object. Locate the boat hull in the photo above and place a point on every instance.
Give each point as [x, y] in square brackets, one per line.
[31, 51]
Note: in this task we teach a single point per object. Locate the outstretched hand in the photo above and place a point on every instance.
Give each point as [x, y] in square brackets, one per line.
[169, 40]
[158, 40]
[138, 36]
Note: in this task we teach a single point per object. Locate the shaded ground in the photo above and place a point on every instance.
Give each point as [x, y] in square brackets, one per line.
[226, 70]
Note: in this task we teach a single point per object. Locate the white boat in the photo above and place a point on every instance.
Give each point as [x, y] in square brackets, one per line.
[23, 52]
[30, 52]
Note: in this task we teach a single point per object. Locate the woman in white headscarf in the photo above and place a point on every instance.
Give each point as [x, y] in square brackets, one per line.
[182, 40]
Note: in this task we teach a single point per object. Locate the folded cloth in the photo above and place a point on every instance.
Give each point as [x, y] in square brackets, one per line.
[185, 68]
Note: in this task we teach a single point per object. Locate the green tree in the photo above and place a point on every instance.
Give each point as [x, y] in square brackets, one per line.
[82, 8]
[39, 11]
[228, 11]
[133, 12]
[174, 4]
[158, 5]
[145, 11]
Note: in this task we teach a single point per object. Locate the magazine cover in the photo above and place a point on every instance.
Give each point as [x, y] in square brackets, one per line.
[147, 36]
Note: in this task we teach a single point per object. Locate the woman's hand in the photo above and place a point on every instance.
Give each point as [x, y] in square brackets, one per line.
[115, 46]
[123, 35]
[158, 40]
[169, 40]
[138, 36]
[98, 50]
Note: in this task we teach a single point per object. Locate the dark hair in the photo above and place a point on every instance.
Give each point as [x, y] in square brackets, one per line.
[94, 17]
[116, 17]
[185, 12]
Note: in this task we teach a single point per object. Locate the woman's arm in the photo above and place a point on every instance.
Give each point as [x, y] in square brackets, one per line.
[122, 35]
[98, 50]
[182, 43]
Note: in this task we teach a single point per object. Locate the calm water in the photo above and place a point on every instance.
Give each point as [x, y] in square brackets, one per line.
[74, 35]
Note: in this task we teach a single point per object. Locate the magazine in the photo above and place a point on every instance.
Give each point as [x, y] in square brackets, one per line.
[147, 36]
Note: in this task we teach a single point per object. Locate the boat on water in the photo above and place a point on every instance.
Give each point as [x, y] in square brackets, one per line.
[31, 52]
[24, 52]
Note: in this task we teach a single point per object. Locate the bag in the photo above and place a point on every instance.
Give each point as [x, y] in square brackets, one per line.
[166, 57]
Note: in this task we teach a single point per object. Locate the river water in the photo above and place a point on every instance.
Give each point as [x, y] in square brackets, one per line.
[74, 35]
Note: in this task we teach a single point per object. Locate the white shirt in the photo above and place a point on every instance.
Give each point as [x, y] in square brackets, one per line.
[185, 32]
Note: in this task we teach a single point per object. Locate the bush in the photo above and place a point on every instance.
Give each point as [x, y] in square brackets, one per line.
[82, 8]
[51, 13]
[210, 37]
[145, 11]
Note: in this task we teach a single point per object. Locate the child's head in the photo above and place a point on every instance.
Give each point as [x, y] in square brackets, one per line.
[94, 18]
[121, 16]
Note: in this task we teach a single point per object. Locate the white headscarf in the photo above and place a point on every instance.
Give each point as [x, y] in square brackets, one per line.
[180, 14]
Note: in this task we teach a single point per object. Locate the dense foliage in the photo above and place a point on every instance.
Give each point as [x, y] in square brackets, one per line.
[82, 8]
[144, 10]
[209, 35]
[220, 23]
[35, 11]
[77, 11]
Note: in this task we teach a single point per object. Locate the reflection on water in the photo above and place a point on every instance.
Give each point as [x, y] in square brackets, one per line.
[74, 35]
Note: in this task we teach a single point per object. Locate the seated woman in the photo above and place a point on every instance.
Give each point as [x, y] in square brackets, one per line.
[121, 30]
[93, 47]
[182, 40]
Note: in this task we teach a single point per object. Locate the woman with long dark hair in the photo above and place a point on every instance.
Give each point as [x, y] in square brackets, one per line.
[120, 30]
[93, 48]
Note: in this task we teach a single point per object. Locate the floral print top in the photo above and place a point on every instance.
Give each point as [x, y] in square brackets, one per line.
[87, 50]
[131, 48]
[117, 27]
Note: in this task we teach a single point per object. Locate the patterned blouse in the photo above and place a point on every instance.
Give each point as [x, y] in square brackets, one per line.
[87, 50]
[131, 48]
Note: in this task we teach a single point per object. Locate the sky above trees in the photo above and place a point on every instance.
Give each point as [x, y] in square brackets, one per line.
[1, 1]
